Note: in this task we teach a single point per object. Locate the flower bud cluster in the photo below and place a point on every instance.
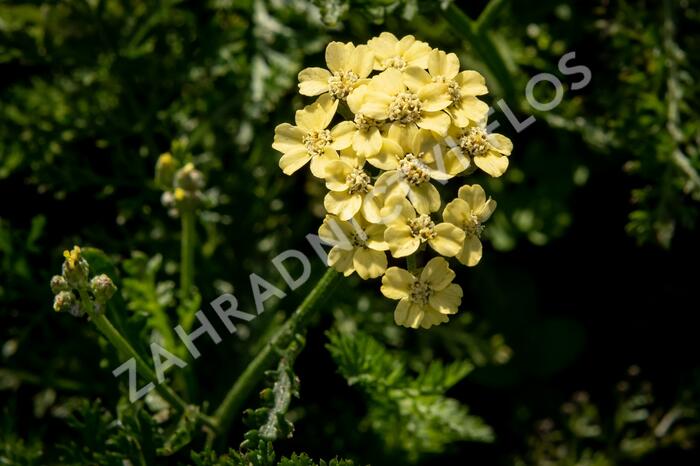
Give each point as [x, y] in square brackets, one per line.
[74, 284]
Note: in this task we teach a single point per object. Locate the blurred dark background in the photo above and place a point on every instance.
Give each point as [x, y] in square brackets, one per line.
[579, 321]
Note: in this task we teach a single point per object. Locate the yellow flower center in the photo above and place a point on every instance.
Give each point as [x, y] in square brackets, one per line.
[72, 257]
[413, 170]
[453, 89]
[471, 225]
[317, 141]
[419, 292]
[395, 62]
[473, 142]
[364, 123]
[405, 108]
[341, 84]
[422, 228]
[358, 181]
[358, 239]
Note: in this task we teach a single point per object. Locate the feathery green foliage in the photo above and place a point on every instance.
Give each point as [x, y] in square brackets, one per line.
[411, 412]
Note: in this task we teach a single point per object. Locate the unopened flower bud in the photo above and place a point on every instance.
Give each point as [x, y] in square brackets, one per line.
[187, 199]
[166, 166]
[75, 268]
[179, 195]
[102, 288]
[58, 284]
[167, 199]
[189, 178]
[64, 301]
[179, 146]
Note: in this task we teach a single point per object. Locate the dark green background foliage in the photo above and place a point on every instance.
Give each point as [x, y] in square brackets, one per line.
[588, 273]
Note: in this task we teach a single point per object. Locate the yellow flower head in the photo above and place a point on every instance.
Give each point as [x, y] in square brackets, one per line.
[389, 98]
[390, 52]
[469, 211]
[462, 87]
[75, 268]
[393, 119]
[357, 246]
[367, 139]
[72, 258]
[425, 146]
[488, 151]
[424, 300]
[348, 183]
[348, 66]
[408, 170]
[310, 140]
[409, 231]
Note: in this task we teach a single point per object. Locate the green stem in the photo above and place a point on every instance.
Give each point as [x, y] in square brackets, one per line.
[345, 111]
[187, 246]
[41, 380]
[125, 349]
[249, 379]
[674, 98]
[411, 263]
[187, 240]
[488, 14]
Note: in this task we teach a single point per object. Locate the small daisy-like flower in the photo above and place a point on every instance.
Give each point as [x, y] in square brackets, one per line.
[389, 99]
[408, 170]
[357, 246]
[424, 300]
[367, 139]
[432, 151]
[463, 87]
[390, 52]
[348, 67]
[469, 211]
[310, 140]
[409, 231]
[373, 206]
[348, 183]
[488, 151]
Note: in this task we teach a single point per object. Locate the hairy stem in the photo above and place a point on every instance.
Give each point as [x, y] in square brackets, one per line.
[187, 246]
[251, 376]
[674, 97]
[125, 349]
[42, 380]
[187, 217]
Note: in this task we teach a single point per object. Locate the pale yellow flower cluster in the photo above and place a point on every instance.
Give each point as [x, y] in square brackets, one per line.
[408, 117]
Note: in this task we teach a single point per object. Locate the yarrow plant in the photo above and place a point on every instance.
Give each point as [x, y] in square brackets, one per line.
[72, 290]
[392, 119]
